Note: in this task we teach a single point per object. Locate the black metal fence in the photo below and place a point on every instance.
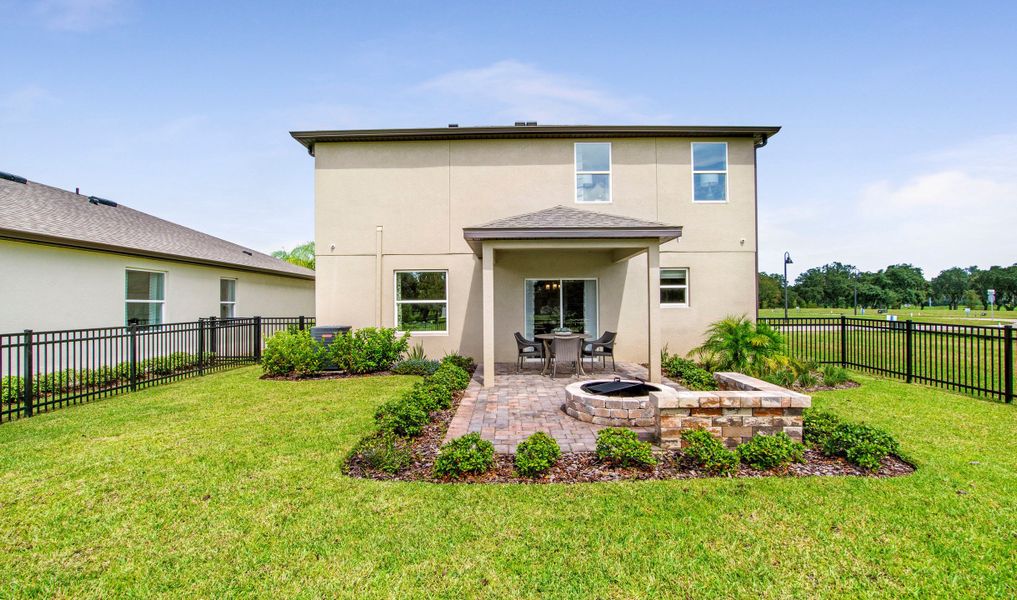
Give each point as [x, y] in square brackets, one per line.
[967, 358]
[46, 370]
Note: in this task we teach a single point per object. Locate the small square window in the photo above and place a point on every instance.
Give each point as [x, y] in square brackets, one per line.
[674, 287]
[421, 301]
[145, 297]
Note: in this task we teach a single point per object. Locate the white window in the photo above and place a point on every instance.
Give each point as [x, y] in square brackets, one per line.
[674, 287]
[421, 301]
[227, 298]
[709, 171]
[145, 297]
[593, 172]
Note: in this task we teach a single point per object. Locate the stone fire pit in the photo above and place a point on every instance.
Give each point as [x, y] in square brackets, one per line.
[630, 408]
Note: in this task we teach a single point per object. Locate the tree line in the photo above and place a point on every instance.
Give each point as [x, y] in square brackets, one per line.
[833, 286]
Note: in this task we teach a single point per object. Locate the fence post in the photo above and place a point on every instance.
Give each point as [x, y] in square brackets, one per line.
[133, 328]
[213, 329]
[257, 339]
[843, 341]
[1008, 358]
[201, 346]
[908, 350]
[301, 322]
[29, 388]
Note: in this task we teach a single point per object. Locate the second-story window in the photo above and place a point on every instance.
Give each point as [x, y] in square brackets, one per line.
[593, 172]
[709, 171]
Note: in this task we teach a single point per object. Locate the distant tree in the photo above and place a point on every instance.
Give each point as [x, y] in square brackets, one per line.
[973, 300]
[302, 255]
[771, 290]
[907, 283]
[950, 285]
[831, 285]
[1001, 279]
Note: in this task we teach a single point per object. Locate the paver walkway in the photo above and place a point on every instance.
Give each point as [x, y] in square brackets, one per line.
[521, 404]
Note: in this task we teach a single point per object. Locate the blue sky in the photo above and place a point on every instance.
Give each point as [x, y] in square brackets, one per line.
[900, 127]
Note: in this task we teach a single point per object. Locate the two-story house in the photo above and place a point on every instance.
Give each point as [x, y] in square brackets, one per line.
[464, 235]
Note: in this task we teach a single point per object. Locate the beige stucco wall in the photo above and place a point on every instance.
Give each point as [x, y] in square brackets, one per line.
[422, 194]
[48, 287]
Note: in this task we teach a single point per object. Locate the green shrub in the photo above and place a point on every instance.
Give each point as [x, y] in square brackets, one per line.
[105, 376]
[783, 377]
[451, 376]
[465, 363]
[765, 452]
[52, 383]
[415, 366]
[11, 388]
[709, 453]
[807, 379]
[623, 448]
[687, 373]
[417, 352]
[367, 350]
[536, 454]
[861, 445]
[403, 416]
[834, 375]
[818, 425]
[292, 353]
[467, 454]
[383, 451]
[430, 395]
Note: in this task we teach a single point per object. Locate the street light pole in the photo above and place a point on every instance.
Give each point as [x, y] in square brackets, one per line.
[787, 261]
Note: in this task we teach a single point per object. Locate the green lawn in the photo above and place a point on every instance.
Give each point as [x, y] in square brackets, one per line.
[230, 486]
[926, 315]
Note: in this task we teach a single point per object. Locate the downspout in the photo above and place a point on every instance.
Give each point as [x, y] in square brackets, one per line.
[755, 200]
[377, 276]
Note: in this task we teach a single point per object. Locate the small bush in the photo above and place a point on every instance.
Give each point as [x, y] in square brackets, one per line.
[765, 452]
[709, 453]
[403, 416]
[623, 448]
[467, 454]
[383, 451]
[785, 377]
[430, 395]
[465, 363]
[861, 445]
[451, 376]
[818, 425]
[415, 366]
[687, 373]
[807, 379]
[11, 388]
[292, 353]
[417, 352]
[536, 454]
[367, 350]
[834, 375]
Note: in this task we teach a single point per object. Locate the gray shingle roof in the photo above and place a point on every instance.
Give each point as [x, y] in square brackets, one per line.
[565, 217]
[37, 212]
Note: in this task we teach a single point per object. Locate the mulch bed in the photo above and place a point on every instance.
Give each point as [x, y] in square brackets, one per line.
[826, 388]
[584, 467]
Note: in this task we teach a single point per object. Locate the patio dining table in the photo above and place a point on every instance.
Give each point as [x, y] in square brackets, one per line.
[547, 338]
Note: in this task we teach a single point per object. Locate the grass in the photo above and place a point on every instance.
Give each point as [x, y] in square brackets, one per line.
[230, 486]
[936, 314]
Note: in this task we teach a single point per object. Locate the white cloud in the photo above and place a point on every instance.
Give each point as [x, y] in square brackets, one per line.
[958, 207]
[80, 15]
[519, 91]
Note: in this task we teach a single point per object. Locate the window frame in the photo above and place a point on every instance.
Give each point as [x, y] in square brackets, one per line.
[725, 173]
[576, 173]
[676, 287]
[596, 280]
[162, 303]
[232, 303]
[396, 302]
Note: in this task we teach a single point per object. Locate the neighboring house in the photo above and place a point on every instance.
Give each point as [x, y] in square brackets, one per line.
[464, 235]
[71, 261]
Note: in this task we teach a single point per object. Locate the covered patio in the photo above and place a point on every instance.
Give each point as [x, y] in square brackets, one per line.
[571, 245]
[521, 403]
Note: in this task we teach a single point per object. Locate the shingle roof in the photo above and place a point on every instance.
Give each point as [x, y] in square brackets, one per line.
[564, 222]
[36, 212]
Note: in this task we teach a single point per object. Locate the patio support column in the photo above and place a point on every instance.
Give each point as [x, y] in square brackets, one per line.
[488, 277]
[653, 309]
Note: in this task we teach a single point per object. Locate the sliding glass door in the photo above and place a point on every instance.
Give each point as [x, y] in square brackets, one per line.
[560, 303]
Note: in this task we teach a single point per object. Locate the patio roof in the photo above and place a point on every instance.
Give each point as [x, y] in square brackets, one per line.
[563, 222]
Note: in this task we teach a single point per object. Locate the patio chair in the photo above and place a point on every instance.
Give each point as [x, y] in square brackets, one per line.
[565, 350]
[527, 349]
[602, 347]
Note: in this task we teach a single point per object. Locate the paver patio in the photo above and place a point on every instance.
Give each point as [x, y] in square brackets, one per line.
[523, 403]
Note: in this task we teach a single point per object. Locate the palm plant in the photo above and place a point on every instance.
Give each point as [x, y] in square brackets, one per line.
[738, 344]
[302, 255]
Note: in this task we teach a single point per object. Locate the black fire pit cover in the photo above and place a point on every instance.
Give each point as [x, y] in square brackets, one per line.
[608, 388]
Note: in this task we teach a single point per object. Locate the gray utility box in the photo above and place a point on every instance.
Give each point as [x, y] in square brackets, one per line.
[326, 334]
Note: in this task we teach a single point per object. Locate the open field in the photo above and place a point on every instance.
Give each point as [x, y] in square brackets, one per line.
[926, 315]
[228, 485]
